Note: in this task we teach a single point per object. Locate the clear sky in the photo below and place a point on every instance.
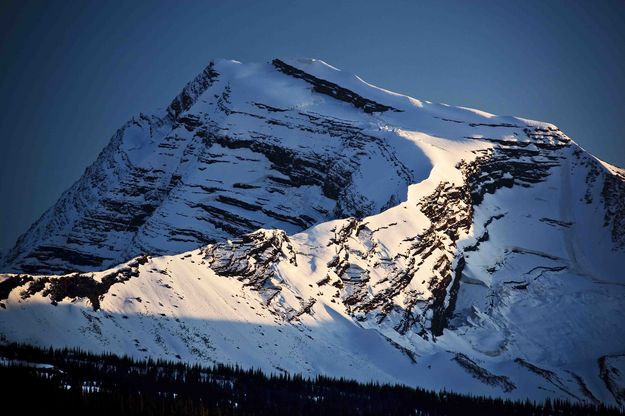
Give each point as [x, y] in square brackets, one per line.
[72, 72]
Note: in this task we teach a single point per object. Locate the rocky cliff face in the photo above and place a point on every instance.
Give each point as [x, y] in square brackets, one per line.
[292, 217]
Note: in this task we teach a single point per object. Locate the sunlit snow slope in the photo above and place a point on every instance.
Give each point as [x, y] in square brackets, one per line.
[292, 217]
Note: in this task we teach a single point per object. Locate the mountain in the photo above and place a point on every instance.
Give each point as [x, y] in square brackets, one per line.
[291, 217]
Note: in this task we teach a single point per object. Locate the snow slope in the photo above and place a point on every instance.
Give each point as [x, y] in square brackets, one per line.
[351, 231]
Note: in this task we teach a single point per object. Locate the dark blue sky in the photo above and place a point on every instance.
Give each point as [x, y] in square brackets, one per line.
[73, 71]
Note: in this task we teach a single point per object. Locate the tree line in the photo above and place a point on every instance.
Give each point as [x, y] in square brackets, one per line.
[74, 381]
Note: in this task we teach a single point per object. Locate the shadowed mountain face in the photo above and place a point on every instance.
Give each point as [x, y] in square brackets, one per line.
[406, 240]
[234, 152]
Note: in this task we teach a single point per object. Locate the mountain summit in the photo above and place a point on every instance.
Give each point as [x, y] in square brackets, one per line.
[292, 217]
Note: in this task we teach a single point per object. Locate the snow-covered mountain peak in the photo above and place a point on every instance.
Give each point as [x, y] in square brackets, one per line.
[289, 215]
